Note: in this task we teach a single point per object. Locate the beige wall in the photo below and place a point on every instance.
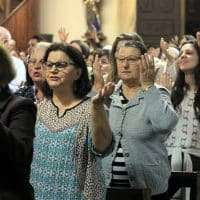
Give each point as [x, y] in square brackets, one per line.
[66, 13]
[117, 16]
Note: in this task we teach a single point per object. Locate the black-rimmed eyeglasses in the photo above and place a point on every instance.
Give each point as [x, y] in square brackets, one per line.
[58, 65]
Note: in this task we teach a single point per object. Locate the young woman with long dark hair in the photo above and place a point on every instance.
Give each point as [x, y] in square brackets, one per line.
[184, 143]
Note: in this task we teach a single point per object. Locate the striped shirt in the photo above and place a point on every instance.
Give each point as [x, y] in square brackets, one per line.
[120, 176]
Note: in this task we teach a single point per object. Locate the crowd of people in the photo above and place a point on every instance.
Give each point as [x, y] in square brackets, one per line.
[80, 121]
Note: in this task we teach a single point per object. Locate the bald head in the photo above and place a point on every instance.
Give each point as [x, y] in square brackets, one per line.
[5, 36]
[4, 33]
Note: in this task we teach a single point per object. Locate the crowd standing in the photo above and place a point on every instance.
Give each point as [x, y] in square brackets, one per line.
[84, 121]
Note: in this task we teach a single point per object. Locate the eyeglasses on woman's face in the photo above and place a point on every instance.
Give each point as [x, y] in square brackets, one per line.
[32, 61]
[129, 60]
[60, 65]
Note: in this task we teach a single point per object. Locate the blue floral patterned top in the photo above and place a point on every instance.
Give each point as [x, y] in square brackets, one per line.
[58, 169]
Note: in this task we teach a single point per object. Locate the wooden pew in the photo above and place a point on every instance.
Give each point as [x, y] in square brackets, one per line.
[186, 179]
[125, 194]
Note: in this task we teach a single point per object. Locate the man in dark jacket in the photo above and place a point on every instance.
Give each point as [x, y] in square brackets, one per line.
[17, 121]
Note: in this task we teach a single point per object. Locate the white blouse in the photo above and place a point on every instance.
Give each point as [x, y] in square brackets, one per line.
[185, 137]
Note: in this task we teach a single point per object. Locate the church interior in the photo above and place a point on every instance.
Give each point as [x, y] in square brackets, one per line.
[150, 18]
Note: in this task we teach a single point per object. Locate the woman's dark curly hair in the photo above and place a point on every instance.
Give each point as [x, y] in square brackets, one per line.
[81, 86]
[180, 86]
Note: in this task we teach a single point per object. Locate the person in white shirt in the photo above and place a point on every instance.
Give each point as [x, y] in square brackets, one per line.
[18, 64]
[20, 77]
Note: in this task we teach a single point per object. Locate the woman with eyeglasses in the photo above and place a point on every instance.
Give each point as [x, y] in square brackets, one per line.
[120, 41]
[34, 87]
[97, 79]
[72, 131]
[141, 116]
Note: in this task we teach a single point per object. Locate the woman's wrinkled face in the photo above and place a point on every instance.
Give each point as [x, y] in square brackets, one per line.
[60, 70]
[128, 63]
[35, 65]
[188, 58]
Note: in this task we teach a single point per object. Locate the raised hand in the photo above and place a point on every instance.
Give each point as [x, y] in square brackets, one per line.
[63, 35]
[165, 80]
[103, 93]
[147, 71]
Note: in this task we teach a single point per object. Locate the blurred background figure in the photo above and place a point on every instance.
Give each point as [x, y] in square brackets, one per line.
[82, 47]
[32, 43]
[105, 64]
[35, 86]
[12, 48]
[19, 67]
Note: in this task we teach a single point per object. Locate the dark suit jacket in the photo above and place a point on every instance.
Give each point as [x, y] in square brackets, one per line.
[17, 123]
